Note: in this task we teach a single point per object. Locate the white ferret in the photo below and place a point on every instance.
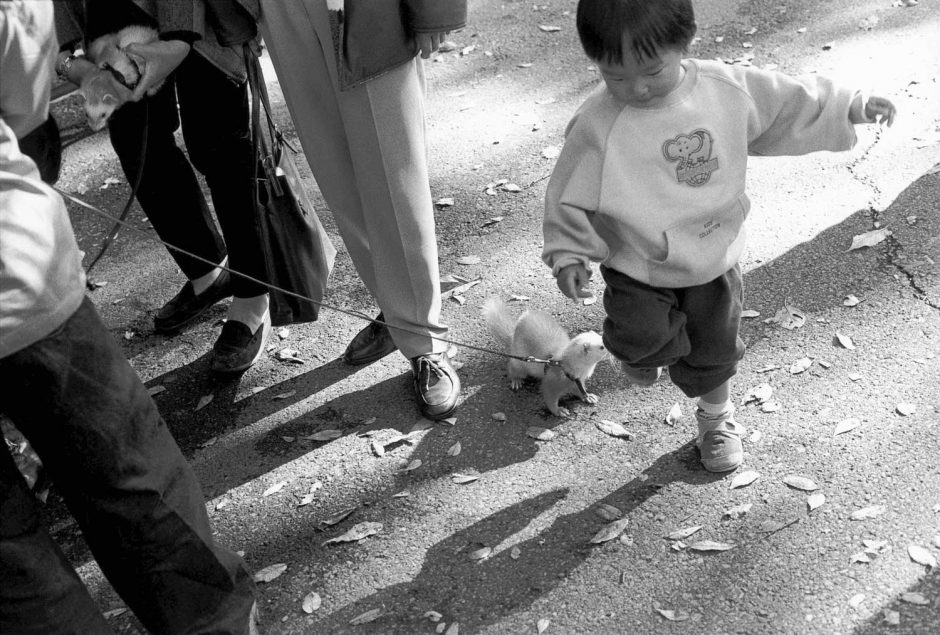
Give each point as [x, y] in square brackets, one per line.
[538, 335]
[102, 90]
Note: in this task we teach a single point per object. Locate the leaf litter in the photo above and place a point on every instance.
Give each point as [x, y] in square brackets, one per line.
[356, 533]
[609, 531]
[613, 429]
[744, 479]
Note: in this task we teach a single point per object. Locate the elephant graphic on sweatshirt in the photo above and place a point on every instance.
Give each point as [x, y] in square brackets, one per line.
[693, 152]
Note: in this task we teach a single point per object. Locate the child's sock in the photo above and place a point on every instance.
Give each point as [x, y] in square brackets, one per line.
[249, 311]
[202, 283]
[715, 409]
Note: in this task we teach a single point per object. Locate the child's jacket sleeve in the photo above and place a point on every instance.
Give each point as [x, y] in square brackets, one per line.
[571, 200]
[797, 115]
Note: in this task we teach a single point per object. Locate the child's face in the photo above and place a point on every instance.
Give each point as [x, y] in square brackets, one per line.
[643, 83]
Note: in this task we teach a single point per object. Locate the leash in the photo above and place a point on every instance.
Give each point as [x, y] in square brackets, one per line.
[121, 222]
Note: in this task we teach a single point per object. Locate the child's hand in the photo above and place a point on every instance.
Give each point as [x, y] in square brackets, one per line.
[572, 281]
[876, 110]
[430, 42]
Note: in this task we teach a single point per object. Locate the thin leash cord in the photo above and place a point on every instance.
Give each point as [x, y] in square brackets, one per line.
[355, 314]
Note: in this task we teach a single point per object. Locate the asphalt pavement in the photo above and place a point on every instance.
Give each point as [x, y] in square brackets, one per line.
[828, 527]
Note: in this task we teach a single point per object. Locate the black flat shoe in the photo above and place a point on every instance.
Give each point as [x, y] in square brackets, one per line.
[237, 348]
[370, 344]
[436, 385]
[186, 306]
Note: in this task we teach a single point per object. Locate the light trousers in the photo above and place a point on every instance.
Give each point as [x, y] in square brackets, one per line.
[366, 147]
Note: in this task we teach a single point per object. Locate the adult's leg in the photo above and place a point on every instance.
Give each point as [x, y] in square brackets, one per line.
[169, 192]
[366, 148]
[214, 114]
[41, 593]
[91, 420]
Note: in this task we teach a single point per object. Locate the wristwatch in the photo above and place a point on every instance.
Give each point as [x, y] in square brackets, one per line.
[62, 68]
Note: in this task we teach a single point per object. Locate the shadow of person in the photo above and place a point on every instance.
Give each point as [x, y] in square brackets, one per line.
[502, 563]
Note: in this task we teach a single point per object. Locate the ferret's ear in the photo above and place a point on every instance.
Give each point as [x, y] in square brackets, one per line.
[108, 98]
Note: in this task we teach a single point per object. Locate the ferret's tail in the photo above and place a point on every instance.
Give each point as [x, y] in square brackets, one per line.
[499, 319]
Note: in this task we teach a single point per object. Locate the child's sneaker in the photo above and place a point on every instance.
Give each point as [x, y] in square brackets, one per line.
[641, 376]
[719, 440]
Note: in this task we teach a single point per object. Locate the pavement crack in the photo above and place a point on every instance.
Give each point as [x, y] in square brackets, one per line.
[893, 249]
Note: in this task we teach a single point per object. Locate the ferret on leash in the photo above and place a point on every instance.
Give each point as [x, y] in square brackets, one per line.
[537, 334]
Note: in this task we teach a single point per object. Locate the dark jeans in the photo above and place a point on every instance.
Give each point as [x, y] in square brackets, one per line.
[692, 330]
[134, 496]
[214, 114]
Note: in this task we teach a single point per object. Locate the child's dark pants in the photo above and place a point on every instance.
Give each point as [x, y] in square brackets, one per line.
[692, 330]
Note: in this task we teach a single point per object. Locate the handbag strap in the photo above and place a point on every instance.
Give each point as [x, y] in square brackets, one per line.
[264, 155]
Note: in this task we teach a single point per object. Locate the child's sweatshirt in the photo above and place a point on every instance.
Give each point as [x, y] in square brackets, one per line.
[658, 193]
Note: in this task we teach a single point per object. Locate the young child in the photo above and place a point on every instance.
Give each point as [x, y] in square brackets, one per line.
[650, 183]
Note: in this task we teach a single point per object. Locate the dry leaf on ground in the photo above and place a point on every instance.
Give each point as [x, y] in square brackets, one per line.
[608, 512]
[870, 239]
[674, 414]
[325, 435]
[454, 450]
[800, 482]
[460, 479]
[815, 501]
[912, 597]
[921, 555]
[311, 602]
[844, 341]
[800, 365]
[368, 616]
[850, 300]
[906, 409]
[674, 615]
[547, 28]
[204, 401]
[414, 465]
[710, 545]
[356, 533]
[542, 434]
[270, 572]
[274, 489]
[542, 624]
[872, 511]
[610, 531]
[337, 518]
[613, 429]
[789, 317]
[847, 424]
[681, 534]
[744, 479]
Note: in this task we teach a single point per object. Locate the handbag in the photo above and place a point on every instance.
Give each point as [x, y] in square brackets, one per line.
[298, 252]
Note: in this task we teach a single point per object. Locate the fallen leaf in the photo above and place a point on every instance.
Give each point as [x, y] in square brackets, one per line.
[865, 513]
[356, 533]
[906, 409]
[515, 552]
[912, 597]
[434, 616]
[850, 300]
[611, 428]
[800, 365]
[498, 416]
[844, 340]
[681, 534]
[337, 518]
[549, 29]
[289, 355]
[542, 624]
[414, 465]
[677, 615]
[815, 501]
[610, 531]
[155, 390]
[444, 202]
[204, 401]
[368, 616]
[789, 317]
[674, 415]
[454, 450]
[467, 50]
[750, 313]
[608, 512]
[847, 424]
[542, 434]
[854, 376]
[453, 629]
[402, 494]
[460, 479]
[710, 545]
[738, 511]
[311, 602]
[270, 573]
[325, 435]
[481, 553]
[114, 612]
[283, 333]
[861, 558]
[469, 260]
[760, 394]
[744, 479]
[274, 489]
[800, 483]
[589, 301]
[856, 600]
[870, 239]
[771, 406]
[284, 395]
[921, 555]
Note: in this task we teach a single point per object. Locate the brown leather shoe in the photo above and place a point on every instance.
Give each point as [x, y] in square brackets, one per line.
[370, 344]
[436, 385]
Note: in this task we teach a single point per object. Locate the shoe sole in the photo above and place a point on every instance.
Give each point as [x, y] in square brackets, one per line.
[362, 361]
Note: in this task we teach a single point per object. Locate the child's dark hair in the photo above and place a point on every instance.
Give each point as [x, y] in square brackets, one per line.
[653, 25]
